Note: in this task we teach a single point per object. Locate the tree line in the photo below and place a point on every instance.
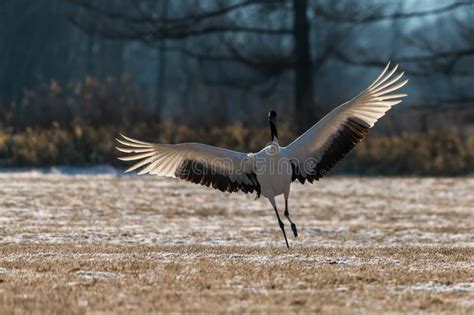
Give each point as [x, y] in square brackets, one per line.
[70, 69]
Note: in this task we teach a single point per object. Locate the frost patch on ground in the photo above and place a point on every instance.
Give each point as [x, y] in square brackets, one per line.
[52, 207]
[61, 170]
[437, 287]
[98, 275]
[4, 271]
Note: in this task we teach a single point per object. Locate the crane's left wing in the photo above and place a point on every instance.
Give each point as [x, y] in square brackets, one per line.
[222, 169]
[322, 146]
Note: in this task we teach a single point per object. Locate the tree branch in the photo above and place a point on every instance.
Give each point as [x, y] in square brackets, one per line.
[268, 65]
[170, 32]
[454, 56]
[200, 55]
[344, 18]
[146, 26]
[89, 6]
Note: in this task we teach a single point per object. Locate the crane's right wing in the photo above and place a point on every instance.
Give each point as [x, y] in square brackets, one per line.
[222, 169]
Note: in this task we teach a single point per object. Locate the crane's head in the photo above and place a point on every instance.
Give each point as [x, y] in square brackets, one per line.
[272, 116]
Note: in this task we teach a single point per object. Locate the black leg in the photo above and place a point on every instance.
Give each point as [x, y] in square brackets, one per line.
[287, 215]
[282, 226]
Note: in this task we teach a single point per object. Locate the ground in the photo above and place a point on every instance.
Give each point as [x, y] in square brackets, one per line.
[127, 244]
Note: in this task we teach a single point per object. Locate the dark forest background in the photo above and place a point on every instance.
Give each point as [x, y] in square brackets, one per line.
[76, 73]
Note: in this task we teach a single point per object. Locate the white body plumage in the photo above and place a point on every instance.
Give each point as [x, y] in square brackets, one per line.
[273, 170]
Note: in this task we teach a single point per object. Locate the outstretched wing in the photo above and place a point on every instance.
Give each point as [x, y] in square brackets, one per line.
[321, 147]
[222, 169]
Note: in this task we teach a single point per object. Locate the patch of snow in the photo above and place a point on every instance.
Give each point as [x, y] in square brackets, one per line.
[98, 275]
[437, 287]
[61, 170]
[80, 206]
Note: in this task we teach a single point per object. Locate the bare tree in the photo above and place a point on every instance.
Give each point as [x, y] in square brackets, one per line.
[273, 37]
[451, 58]
[445, 67]
[32, 51]
[225, 21]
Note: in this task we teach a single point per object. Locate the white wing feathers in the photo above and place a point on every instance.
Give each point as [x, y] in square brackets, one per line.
[329, 140]
[219, 168]
[323, 145]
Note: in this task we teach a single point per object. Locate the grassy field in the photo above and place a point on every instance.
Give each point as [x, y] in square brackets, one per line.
[103, 243]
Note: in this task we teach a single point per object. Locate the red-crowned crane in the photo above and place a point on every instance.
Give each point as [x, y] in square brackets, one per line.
[271, 171]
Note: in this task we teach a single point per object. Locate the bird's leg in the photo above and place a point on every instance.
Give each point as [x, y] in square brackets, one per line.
[282, 226]
[287, 215]
[280, 222]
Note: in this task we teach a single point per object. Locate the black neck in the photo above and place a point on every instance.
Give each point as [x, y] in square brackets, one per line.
[273, 130]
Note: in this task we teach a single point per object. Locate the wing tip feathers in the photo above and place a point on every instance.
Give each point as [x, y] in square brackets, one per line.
[380, 86]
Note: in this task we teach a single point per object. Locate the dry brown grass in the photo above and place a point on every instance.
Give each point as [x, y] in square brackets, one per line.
[134, 245]
[80, 278]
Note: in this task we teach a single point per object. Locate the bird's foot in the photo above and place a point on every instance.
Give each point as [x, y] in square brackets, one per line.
[295, 231]
[282, 227]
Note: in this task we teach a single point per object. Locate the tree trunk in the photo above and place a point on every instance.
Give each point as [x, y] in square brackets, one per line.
[304, 115]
